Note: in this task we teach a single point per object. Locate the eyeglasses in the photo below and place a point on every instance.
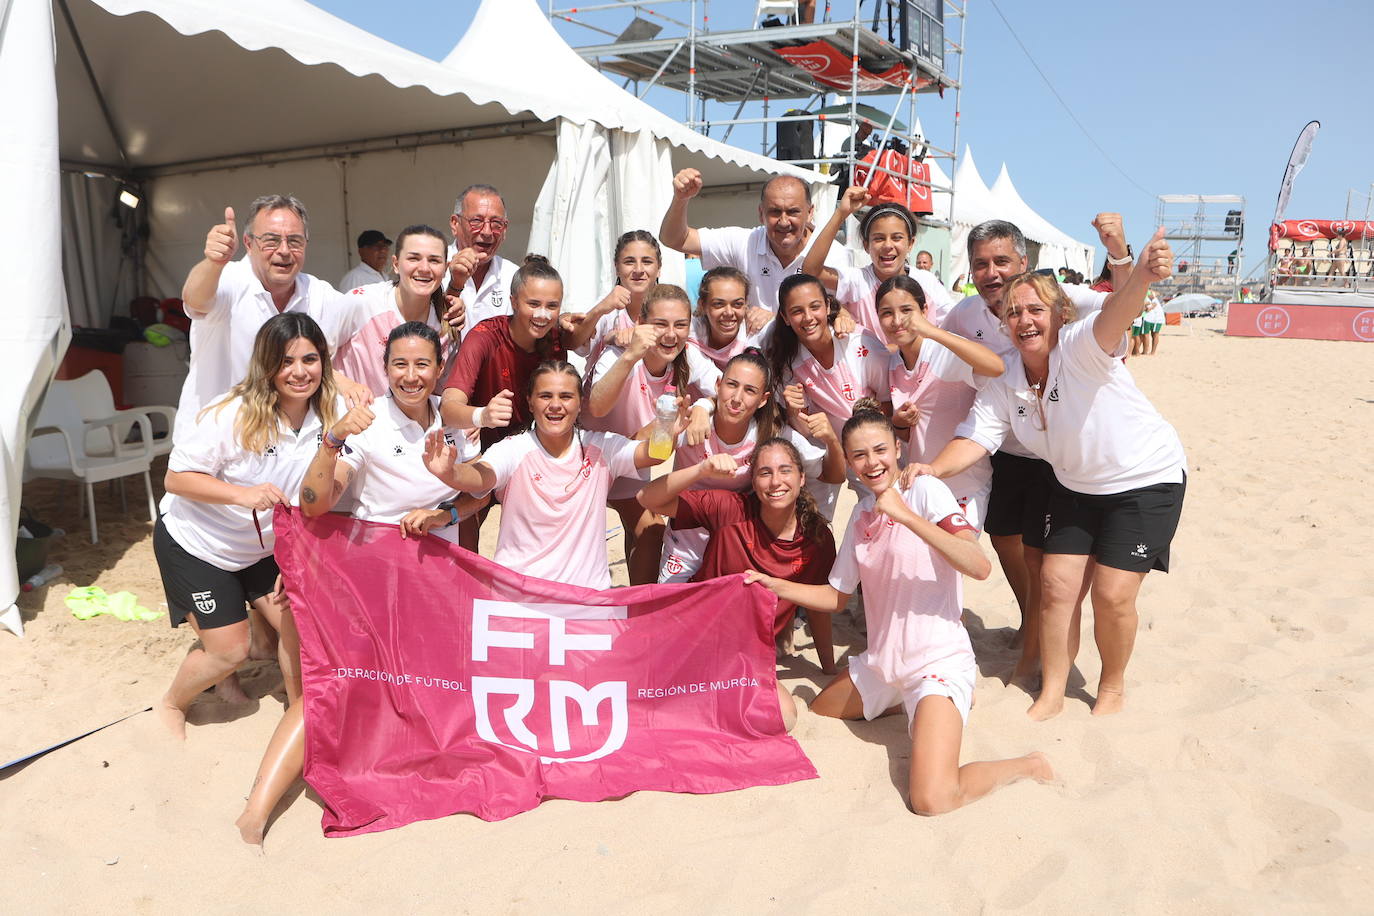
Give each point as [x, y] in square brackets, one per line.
[496, 223]
[271, 241]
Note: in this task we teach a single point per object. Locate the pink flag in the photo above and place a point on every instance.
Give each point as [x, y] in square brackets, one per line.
[438, 682]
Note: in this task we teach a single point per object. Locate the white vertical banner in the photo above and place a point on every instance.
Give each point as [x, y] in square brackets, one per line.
[1296, 160]
[572, 224]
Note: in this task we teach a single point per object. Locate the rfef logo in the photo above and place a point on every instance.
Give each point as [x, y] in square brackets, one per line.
[1273, 321]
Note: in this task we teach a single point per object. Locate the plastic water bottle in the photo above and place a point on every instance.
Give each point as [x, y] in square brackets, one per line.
[665, 418]
[42, 577]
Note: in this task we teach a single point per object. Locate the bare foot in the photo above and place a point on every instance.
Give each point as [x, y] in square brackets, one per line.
[250, 829]
[1045, 708]
[231, 691]
[172, 718]
[1109, 701]
[1041, 771]
[263, 649]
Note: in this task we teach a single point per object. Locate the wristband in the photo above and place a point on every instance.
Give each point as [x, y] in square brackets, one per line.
[332, 441]
[477, 413]
[707, 404]
[452, 513]
[1121, 261]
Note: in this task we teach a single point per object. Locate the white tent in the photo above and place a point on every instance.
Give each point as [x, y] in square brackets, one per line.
[1056, 249]
[229, 101]
[973, 204]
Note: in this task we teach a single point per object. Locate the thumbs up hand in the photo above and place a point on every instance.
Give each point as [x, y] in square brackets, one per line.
[223, 240]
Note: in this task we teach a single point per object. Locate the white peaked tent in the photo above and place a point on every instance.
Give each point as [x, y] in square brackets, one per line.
[973, 204]
[1057, 249]
[200, 104]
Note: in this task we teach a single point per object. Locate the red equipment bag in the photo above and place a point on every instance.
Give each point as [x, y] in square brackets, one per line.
[910, 187]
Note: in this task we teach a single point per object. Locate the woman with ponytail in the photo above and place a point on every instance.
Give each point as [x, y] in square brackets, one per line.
[638, 260]
[718, 329]
[907, 548]
[625, 384]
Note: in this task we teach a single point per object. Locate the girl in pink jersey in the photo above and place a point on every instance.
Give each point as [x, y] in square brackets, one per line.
[718, 330]
[907, 549]
[638, 259]
[417, 294]
[888, 231]
[822, 375]
[931, 380]
[624, 385]
[552, 481]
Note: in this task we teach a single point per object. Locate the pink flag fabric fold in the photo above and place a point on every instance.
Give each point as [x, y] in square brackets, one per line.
[438, 682]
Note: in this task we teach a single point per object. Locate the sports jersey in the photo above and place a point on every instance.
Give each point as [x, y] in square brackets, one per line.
[553, 510]
[489, 300]
[857, 287]
[748, 251]
[490, 361]
[361, 356]
[740, 541]
[942, 385]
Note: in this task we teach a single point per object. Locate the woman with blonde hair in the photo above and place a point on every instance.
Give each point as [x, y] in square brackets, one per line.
[213, 540]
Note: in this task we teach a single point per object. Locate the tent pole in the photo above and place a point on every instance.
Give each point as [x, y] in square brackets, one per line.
[95, 85]
[343, 188]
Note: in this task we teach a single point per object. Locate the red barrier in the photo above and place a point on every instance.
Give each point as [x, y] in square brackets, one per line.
[1309, 322]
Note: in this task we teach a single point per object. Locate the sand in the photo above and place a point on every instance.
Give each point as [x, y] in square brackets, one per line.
[1239, 778]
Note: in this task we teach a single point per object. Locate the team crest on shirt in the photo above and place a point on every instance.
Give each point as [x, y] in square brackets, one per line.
[959, 520]
[848, 391]
[319, 438]
[674, 565]
[205, 601]
[798, 564]
[586, 470]
[448, 439]
[497, 298]
[1054, 392]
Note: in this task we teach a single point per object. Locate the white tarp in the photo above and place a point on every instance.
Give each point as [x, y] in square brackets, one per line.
[34, 334]
[1057, 248]
[973, 204]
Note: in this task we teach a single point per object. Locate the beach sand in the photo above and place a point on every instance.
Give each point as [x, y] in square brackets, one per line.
[1240, 777]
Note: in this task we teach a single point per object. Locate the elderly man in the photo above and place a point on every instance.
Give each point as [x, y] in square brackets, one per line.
[373, 250]
[926, 261]
[996, 253]
[478, 276]
[228, 300]
[766, 254]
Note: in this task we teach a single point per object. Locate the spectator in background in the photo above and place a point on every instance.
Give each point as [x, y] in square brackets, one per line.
[373, 250]
[926, 261]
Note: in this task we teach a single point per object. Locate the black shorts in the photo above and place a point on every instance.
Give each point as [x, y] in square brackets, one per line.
[1130, 530]
[216, 597]
[1020, 493]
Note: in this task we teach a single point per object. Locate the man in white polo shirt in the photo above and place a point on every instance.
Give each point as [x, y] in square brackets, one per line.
[478, 276]
[228, 301]
[766, 254]
[373, 250]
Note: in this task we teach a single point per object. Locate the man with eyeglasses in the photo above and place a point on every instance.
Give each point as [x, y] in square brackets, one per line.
[228, 300]
[478, 276]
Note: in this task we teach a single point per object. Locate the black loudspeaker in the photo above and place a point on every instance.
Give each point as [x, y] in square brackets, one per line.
[796, 139]
[1233, 222]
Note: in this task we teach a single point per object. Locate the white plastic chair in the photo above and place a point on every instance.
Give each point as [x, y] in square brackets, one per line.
[96, 401]
[783, 8]
[63, 437]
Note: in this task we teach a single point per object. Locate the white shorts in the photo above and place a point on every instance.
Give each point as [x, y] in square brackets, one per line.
[683, 552]
[880, 695]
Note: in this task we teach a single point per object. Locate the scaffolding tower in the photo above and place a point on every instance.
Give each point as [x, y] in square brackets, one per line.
[880, 48]
[1207, 234]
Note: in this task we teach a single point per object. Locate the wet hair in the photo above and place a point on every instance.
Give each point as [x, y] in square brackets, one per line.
[905, 284]
[723, 272]
[767, 415]
[638, 235]
[810, 522]
[414, 329]
[277, 202]
[806, 188]
[995, 229]
[436, 298]
[1048, 290]
[887, 209]
[535, 267]
[482, 190]
[866, 413]
[257, 426]
[667, 292]
[785, 343]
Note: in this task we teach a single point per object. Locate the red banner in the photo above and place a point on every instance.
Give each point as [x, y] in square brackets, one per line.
[1305, 230]
[910, 187]
[1312, 322]
[832, 67]
[438, 682]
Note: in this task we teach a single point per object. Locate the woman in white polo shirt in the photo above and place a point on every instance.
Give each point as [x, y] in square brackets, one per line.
[1119, 467]
[552, 482]
[213, 540]
[381, 454]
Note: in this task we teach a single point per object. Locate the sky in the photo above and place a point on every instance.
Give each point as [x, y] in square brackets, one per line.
[1201, 97]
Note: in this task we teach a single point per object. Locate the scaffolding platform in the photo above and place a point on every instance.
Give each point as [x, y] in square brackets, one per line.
[1207, 234]
[785, 61]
